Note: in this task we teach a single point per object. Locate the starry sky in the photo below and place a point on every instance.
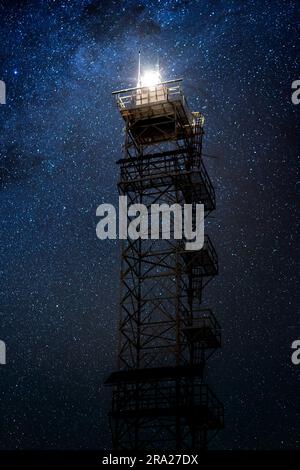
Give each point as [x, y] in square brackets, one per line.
[61, 135]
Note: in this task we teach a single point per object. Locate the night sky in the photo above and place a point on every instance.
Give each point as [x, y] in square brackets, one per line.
[61, 135]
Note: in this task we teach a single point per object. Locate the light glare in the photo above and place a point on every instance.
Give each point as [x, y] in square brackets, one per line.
[150, 78]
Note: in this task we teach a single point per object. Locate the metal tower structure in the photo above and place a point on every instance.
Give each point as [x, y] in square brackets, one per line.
[160, 398]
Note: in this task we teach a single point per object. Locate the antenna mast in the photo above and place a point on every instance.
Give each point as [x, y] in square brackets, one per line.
[139, 71]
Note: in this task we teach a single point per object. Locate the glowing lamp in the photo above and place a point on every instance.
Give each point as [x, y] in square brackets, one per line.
[151, 78]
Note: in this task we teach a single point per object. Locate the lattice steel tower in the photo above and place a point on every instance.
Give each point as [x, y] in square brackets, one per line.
[160, 399]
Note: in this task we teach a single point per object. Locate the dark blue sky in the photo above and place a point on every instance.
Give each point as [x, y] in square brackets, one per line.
[60, 137]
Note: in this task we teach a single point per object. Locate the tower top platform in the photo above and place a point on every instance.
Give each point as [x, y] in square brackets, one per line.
[156, 113]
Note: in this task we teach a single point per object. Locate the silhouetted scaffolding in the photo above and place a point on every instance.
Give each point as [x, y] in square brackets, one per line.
[160, 398]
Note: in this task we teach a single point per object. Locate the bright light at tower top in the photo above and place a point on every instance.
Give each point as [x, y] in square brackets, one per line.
[150, 78]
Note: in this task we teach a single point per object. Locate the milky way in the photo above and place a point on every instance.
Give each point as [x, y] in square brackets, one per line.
[60, 138]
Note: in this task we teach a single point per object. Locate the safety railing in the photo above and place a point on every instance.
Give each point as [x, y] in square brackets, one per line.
[144, 169]
[210, 249]
[205, 318]
[165, 396]
[166, 91]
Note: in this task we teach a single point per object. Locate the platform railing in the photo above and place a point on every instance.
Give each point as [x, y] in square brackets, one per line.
[166, 395]
[210, 249]
[205, 317]
[166, 166]
[170, 90]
